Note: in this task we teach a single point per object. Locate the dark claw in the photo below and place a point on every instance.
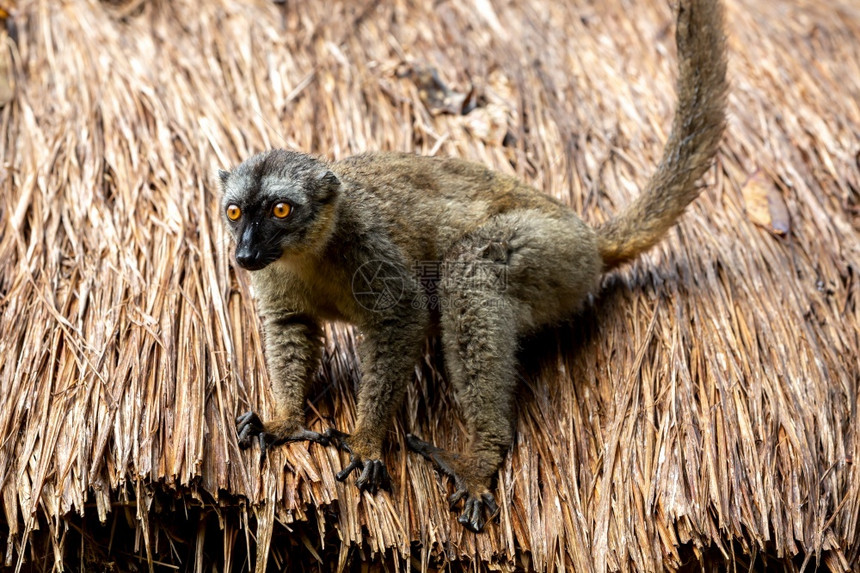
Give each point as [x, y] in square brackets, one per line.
[438, 456]
[261, 438]
[474, 509]
[248, 426]
[374, 476]
[337, 438]
[354, 463]
[456, 497]
[473, 515]
[380, 475]
[491, 504]
[365, 481]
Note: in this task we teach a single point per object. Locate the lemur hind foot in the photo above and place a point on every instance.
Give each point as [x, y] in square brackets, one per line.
[472, 489]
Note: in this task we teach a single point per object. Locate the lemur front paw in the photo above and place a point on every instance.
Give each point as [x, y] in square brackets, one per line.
[374, 475]
[268, 435]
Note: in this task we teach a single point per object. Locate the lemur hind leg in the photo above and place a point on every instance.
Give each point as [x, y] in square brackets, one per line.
[518, 273]
[480, 339]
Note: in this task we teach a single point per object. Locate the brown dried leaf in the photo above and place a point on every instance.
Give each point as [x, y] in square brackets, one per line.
[437, 96]
[489, 123]
[764, 204]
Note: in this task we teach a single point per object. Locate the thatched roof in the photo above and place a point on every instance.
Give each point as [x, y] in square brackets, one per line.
[703, 409]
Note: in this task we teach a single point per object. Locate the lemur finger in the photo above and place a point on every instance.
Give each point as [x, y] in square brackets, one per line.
[365, 480]
[440, 459]
[419, 446]
[491, 504]
[385, 477]
[353, 464]
[456, 497]
[338, 438]
[309, 435]
[472, 517]
[248, 417]
[261, 438]
[248, 424]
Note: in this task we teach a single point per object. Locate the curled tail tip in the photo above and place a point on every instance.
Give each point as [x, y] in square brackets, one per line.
[697, 129]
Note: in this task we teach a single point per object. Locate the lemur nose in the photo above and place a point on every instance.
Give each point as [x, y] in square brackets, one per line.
[248, 258]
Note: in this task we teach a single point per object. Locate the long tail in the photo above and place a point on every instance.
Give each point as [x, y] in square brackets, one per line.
[696, 132]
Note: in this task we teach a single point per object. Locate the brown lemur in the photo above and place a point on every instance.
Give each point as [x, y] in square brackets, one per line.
[308, 229]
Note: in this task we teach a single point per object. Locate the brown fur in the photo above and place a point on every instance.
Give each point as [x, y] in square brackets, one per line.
[511, 260]
[696, 132]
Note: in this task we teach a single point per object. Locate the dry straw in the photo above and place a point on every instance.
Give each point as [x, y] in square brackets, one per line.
[703, 409]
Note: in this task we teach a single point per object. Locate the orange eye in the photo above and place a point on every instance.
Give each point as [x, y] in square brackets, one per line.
[281, 210]
[233, 212]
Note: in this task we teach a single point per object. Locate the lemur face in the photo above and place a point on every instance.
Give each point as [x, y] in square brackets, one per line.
[276, 203]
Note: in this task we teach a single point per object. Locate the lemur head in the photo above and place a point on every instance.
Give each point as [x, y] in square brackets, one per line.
[278, 204]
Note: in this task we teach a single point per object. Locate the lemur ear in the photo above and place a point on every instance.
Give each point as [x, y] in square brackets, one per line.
[327, 184]
[327, 179]
[223, 176]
